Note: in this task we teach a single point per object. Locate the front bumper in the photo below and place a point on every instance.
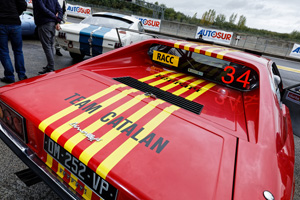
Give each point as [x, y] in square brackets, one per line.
[35, 164]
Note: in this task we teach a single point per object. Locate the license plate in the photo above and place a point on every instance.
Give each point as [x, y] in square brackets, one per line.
[100, 186]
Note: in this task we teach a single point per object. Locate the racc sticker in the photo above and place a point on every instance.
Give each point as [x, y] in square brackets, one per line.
[166, 58]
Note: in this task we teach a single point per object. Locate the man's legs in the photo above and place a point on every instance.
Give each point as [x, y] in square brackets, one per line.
[4, 55]
[17, 43]
[57, 49]
[46, 35]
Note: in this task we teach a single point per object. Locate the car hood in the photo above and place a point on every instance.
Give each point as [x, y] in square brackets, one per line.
[88, 30]
[151, 147]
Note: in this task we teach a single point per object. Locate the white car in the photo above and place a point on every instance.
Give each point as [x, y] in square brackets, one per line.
[99, 33]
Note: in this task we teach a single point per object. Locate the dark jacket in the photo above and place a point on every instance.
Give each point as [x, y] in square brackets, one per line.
[10, 10]
[45, 11]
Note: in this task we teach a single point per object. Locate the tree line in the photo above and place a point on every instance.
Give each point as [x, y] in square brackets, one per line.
[209, 19]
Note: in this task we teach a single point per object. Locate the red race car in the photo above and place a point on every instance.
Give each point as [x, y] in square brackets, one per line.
[160, 119]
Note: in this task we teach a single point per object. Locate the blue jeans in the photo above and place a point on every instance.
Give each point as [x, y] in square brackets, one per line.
[14, 34]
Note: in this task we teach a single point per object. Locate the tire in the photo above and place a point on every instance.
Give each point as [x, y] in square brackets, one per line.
[76, 56]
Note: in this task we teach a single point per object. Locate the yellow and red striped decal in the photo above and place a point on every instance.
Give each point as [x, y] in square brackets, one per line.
[65, 127]
[87, 193]
[182, 80]
[89, 152]
[73, 141]
[220, 51]
[44, 124]
[162, 81]
[120, 152]
[113, 159]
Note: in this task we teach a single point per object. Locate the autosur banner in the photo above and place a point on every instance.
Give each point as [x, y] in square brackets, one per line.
[78, 11]
[295, 52]
[149, 23]
[214, 35]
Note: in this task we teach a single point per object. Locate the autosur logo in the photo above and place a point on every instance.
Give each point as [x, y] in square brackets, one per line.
[215, 34]
[150, 22]
[297, 50]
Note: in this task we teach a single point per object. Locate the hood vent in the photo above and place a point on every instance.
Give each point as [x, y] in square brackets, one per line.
[166, 96]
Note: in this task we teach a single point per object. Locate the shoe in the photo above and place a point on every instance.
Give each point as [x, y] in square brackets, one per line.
[23, 78]
[6, 80]
[58, 52]
[46, 70]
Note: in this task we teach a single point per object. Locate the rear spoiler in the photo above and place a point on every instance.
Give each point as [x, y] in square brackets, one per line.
[211, 42]
[126, 29]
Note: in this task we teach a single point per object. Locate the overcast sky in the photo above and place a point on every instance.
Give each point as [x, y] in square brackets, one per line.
[274, 15]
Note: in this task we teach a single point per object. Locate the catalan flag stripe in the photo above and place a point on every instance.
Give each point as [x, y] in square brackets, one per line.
[114, 158]
[73, 141]
[89, 152]
[164, 80]
[45, 123]
[65, 127]
[167, 87]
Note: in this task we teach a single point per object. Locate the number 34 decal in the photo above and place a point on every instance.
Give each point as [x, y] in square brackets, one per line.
[242, 79]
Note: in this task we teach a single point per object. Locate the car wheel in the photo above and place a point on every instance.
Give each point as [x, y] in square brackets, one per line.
[76, 56]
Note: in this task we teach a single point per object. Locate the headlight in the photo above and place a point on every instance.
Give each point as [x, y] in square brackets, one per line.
[13, 120]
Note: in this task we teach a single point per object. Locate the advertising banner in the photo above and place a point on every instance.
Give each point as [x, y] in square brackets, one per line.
[78, 11]
[295, 52]
[149, 23]
[217, 36]
[29, 3]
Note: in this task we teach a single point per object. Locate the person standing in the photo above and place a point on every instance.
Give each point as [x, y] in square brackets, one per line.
[47, 16]
[63, 5]
[10, 29]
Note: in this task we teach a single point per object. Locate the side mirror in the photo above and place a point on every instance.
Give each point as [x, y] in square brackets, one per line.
[291, 99]
[277, 80]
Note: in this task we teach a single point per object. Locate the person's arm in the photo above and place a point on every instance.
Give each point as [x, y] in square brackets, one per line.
[59, 12]
[21, 6]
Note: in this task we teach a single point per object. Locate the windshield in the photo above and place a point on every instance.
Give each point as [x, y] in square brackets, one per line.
[107, 21]
[214, 69]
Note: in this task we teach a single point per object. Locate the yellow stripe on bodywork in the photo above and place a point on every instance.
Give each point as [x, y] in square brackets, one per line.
[73, 181]
[87, 194]
[187, 46]
[49, 161]
[114, 158]
[202, 90]
[199, 48]
[165, 80]
[89, 152]
[154, 76]
[45, 123]
[221, 54]
[74, 140]
[172, 85]
[208, 52]
[183, 90]
[66, 126]
[104, 168]
[177, 44]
